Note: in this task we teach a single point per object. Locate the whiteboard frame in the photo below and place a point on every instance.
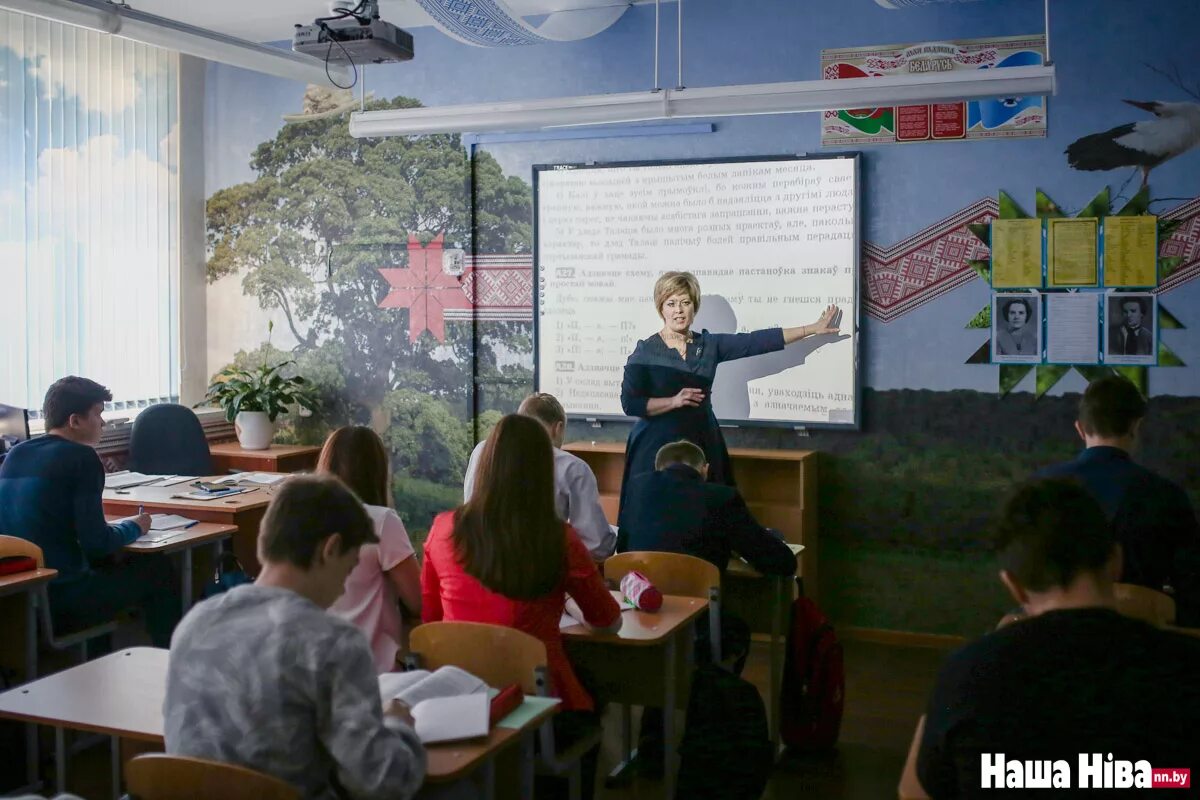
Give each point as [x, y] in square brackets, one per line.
[856, 156]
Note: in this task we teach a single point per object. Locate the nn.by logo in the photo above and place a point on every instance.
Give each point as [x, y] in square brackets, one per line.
[1093, 771]
[1171, 778]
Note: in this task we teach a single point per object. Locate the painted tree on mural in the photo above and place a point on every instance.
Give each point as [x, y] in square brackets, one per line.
[308, 236]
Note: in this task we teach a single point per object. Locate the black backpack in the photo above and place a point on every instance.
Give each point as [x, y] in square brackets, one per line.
[725, 753]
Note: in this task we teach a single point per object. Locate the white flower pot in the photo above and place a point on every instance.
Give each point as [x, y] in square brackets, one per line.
[254, 430]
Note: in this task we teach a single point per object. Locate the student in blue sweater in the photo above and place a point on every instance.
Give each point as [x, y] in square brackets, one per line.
[50, 494]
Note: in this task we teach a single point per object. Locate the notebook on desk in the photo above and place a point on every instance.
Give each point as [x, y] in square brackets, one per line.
[259, 478]
[200, 494]
[126, 479]
[169, 522]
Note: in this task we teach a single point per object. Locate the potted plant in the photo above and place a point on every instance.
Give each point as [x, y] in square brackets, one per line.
[252, 398]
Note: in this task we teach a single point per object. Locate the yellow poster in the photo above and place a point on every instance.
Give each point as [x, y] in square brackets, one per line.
[1016, 253]
[1130, 251]
[1071, 252]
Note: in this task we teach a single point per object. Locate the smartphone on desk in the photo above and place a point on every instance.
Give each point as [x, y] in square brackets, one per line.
[208, 486]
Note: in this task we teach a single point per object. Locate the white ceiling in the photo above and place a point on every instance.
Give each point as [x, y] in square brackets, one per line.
[272, 20]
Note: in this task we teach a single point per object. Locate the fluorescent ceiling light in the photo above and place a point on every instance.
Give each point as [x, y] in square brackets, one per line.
[719, 101]
[104, 17]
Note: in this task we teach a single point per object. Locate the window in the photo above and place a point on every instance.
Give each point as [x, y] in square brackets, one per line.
[89, 213]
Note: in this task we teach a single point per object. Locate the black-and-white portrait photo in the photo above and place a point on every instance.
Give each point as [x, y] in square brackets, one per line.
[1131, 320]
[1017, 328]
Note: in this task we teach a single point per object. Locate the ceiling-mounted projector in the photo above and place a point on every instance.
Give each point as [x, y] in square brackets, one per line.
[353, 35]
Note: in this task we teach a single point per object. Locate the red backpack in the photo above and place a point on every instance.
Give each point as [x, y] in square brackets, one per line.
[814, 681]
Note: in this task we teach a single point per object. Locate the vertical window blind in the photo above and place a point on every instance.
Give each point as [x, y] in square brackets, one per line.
[89, 213]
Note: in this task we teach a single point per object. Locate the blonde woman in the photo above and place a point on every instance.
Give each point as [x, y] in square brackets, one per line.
[669, 377]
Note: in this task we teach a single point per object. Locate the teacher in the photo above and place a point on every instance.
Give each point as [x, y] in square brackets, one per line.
[669, 376]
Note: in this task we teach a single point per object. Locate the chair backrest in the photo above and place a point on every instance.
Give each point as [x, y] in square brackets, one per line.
[1009, 619]
[1193, 632]
[156, 776]
[168, 439]
[1145, 604]
[16, 546]
[671, 573]
[497, 655]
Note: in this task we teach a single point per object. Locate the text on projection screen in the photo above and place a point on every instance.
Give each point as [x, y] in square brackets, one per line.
[771, 242]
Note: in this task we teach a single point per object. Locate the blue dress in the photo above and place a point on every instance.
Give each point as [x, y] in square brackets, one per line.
[655, 369]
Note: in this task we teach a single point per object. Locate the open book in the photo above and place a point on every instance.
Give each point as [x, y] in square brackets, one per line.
[447, 704]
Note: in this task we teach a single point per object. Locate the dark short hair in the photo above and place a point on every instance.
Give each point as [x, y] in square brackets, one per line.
[680, 452]
[1018, 301]
[71, 395]
[1141, 302]
[1051, 530]
[544, 407]
[306, 510]
[1110, 406]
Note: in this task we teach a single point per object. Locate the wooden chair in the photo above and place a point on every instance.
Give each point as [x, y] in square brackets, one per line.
[1193, 632]
[502, 656]
[1009, 619]
[1145, 604]
[910, 787]
[677, 574]
[157, 776]
[15, 546]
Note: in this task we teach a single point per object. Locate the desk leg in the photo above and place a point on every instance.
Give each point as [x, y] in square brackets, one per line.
[115, 766]
[186, 557]
[773, 656]
[626, 732]
[623, 772]
[60, 761]
[527, 759]
[31, 729]
[669, 762]
[487, 773]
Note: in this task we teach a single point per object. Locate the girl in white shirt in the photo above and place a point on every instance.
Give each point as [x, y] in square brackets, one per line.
[387, 579]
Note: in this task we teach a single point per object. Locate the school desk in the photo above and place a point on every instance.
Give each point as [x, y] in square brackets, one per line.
[122, 694]
[22, 627]
[764, 602]
[647, 663]
[243, 511]
[184, 541]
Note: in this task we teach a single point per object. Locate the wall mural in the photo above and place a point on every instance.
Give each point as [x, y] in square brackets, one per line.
[345, 238]
[360, 244]
[402, 269]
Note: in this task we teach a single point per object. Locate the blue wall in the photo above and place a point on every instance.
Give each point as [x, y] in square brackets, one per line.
[1098, 47]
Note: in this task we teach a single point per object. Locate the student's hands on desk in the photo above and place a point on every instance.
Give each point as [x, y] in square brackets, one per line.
[399, 710]
[141, 520]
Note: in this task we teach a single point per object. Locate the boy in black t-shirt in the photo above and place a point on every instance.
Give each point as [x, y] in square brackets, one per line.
[1072, 683]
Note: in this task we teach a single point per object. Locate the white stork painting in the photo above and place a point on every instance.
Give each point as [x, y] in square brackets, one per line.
[1175, 129]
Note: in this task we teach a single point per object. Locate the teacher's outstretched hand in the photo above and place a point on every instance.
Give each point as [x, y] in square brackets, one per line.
[829, 322]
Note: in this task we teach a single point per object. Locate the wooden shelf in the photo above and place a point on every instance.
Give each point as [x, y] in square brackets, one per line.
[780, 487]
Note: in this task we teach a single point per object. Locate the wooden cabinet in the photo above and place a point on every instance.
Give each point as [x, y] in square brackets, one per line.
[276, 458]
[780, 486]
